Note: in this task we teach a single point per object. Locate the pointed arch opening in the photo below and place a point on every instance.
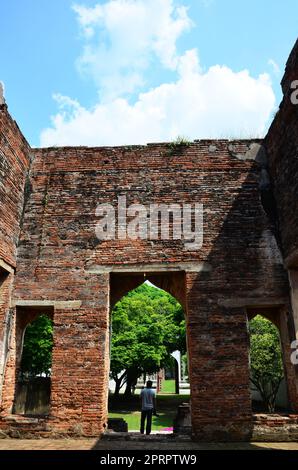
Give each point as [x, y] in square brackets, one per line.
[148, 342]
[268, 378]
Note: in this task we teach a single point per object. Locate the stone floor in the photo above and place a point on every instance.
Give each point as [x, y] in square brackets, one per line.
[91, 444]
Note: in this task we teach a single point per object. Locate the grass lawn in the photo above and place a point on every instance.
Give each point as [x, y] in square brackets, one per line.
[133, 419]
[168, 386]
[129, 410]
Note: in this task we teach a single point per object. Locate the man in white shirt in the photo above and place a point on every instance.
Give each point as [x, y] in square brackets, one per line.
[148, 400]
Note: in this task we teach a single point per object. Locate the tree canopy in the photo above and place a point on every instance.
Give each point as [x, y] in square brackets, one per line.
[265, 359]
[147, 325]
[37, 348]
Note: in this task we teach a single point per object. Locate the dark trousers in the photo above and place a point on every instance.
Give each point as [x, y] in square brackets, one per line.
[146, 414]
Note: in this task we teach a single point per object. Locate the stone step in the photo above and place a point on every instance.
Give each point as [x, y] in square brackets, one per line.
[19, 425]
[21, 419]
[136, 436]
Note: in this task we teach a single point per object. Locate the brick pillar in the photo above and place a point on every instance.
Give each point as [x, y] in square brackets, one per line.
[287, 335]
[80, 366]
[10, 368]
[292, 331]
[6, 339]
[219, 367]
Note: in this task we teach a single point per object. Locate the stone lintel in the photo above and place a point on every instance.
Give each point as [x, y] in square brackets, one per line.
[6, 266]
[57, 304]
[149, 268]
[247, 302]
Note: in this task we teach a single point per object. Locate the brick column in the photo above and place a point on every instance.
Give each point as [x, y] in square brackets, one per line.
[292, 330]
[80, 367]
[219, 367]
[287, 335]
[6, 336]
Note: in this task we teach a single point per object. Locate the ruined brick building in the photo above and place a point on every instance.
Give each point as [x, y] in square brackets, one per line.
[51, 262]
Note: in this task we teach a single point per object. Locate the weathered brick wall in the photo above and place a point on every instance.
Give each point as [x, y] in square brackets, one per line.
[14, 165]
[80, 370]
[6, 282]
[282, 148]
[239, 264]
[67, 184]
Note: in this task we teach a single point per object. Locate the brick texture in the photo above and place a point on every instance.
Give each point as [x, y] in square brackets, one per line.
[14, 165]
[58, 254]
[282, 147]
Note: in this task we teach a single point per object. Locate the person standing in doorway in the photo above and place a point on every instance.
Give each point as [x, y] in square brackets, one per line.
[148, 403]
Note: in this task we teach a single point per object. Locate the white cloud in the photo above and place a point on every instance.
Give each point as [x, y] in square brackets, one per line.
[275, 66]
[207, 3]
[213, 104]
[122, 37]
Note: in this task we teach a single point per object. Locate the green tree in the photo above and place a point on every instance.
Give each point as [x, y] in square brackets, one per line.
[147, 325]
[265, 360]
[37, 348]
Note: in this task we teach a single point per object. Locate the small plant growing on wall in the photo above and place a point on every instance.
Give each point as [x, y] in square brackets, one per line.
[178, 145]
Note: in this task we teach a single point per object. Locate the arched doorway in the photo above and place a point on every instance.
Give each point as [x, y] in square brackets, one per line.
[157, 303]
[268, 374]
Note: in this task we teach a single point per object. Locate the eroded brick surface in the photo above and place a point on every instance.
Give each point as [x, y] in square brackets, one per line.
[14, 165]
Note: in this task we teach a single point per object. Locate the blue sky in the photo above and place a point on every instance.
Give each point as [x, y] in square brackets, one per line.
[133, 71]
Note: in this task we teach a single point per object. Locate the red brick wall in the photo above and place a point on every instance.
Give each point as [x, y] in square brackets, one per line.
[59, 254]
[79, 384]
[282, 147]
[6, 281]
[14, 165]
